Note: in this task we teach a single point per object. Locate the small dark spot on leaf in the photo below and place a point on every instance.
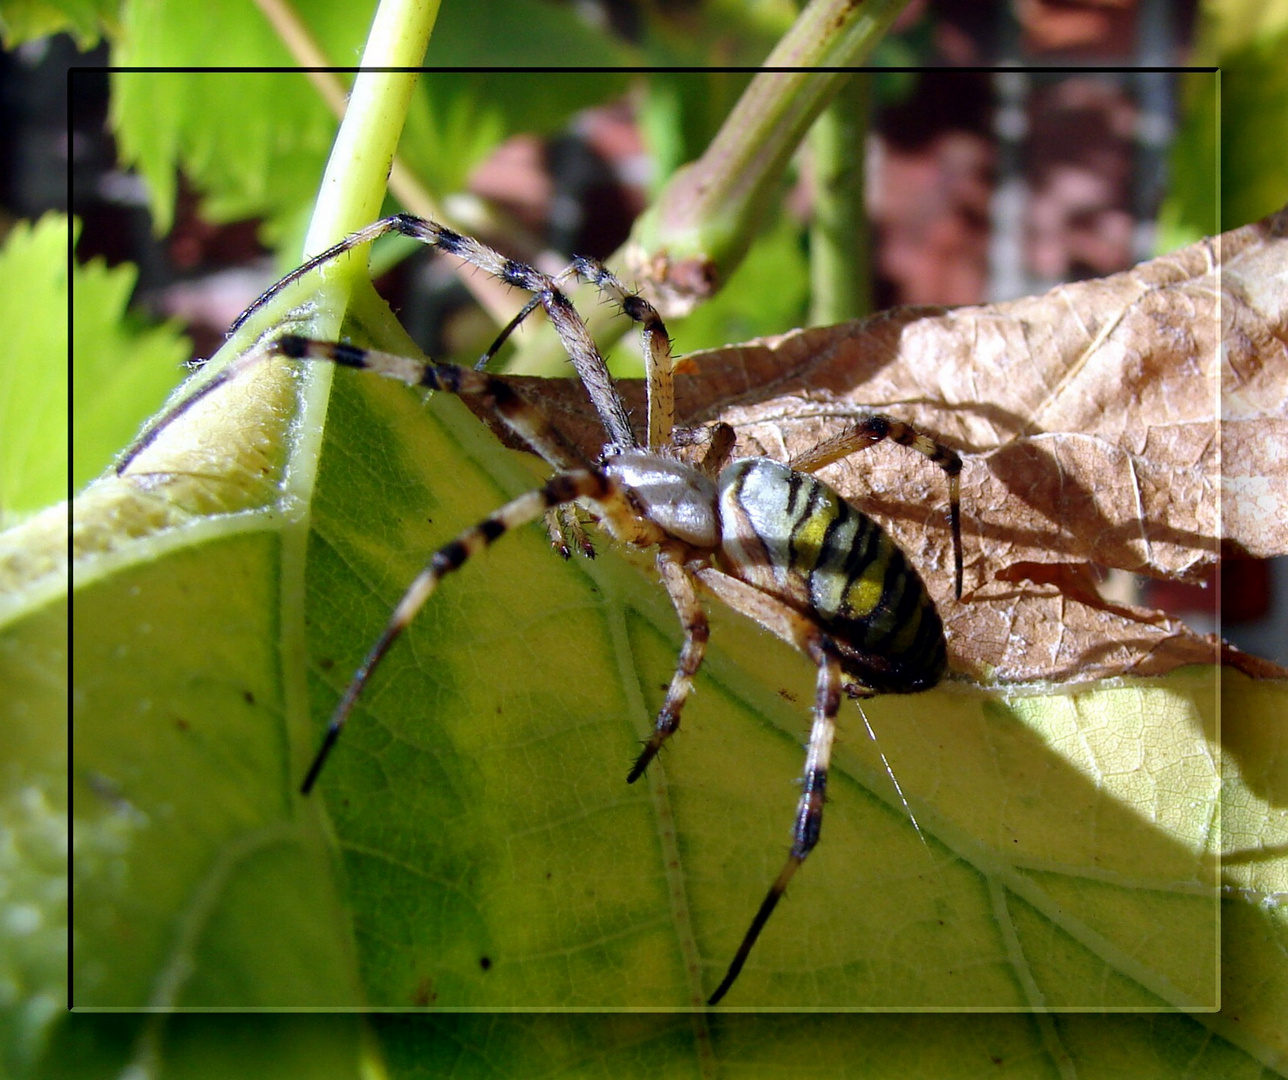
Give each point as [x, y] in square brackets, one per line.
[249, 697]
[326, 663]
[182, 724]
[787, 695]
[424, 991]
[485, 962]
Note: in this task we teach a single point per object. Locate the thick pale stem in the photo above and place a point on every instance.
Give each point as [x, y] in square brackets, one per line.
[703, 222]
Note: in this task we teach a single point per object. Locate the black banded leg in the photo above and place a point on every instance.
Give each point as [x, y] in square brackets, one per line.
[680, 587]
[525, 420]
[873, 429]
[719, 449]
[809, 811]
[572, 332]
[658, 362]
[230, 371]
[560, 489]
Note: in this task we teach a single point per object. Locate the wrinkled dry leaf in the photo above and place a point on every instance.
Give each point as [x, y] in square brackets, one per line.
[1088, 421]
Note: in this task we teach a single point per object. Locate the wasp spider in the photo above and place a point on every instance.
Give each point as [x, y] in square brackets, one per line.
[768, 539]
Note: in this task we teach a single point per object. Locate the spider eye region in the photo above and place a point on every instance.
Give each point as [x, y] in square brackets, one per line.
[674, 496]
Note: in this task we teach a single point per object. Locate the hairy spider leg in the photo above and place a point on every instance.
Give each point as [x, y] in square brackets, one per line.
[658, 363]
[808, 637]
[527, 422]
[809, 811]
[680, 587]
[656, 342]
[871, 430]
[581, 348]
[559, 489]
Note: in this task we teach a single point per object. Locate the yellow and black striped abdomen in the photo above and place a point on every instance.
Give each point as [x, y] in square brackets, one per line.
[792, 536]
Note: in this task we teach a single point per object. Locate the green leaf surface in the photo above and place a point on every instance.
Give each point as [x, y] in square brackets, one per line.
[33, 376]
[28, 20]
[254, 142]
[1224, 123]
[490, 853]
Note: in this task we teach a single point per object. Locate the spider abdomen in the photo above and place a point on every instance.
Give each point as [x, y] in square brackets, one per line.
[790, 535]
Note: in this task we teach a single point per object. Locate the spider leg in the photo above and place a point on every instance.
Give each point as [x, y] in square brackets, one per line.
[563, 316]
[798, 630]
[567, 534]
[809, 811]
[562, 488]
[719, 449]
[504, 336]
[871, 430]
[365, 235]
[679, 585]
[226, 374]
[657, 346]
[524, 419]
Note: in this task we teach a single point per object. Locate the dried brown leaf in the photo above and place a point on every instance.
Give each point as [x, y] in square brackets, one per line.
[1088, 422]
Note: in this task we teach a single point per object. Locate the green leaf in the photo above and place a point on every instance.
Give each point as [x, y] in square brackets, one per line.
[492, 853]
[28, 20]
[254, 142]
[1225, 122]
[320, 1046]
[121, 369]
[33, 377]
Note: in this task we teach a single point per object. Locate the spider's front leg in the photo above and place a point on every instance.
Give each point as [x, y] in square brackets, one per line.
[562, 488]
[679, 585]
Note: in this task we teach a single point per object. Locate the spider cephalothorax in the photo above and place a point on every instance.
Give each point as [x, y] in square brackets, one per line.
[768, 539]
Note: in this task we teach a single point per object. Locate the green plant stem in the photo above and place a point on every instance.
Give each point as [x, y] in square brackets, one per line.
[840, 249]
[353, 186]
[704, 220]
[350, 196]
[710, 210]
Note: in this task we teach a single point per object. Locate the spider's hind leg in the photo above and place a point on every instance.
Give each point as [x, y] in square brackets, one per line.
[871, 430]
[809, 811]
